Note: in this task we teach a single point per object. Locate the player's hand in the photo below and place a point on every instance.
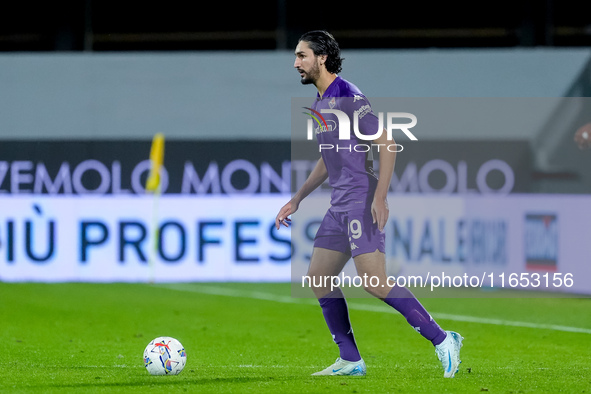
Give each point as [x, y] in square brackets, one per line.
[284, 212]
[583, 136]
[380, 212]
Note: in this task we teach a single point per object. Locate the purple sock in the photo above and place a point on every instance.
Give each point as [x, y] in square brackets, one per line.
[402, 299]
[336, 313]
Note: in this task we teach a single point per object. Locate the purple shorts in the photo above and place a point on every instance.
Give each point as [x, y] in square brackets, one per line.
[352, 232]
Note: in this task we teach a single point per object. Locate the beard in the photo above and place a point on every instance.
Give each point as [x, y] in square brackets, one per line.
[310, 76]
[306, 81]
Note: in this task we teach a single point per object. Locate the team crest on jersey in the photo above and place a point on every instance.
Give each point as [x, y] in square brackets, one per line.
[332, 103]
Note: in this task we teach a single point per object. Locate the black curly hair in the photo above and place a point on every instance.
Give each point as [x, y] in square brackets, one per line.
[323, 43]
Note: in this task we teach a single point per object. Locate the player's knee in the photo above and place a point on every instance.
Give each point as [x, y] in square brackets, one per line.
[313, 273]
[319, 283]
[374, 291]
[377, 289]
[317, 279]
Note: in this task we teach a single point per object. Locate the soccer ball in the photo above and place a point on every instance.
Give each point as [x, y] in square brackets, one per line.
[165, 356]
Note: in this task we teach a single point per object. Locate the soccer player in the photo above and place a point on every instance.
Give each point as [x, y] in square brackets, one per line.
[354, 224]
[583, 136]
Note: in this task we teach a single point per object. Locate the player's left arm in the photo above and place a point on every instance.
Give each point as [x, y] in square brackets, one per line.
[379, 207]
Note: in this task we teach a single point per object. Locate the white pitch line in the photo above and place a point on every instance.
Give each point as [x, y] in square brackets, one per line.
[501, 322]
[258, 295]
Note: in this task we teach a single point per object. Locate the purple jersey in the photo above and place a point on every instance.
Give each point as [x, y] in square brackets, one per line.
[350, 172]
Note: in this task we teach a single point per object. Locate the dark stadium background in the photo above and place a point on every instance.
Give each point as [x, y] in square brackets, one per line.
[131, 25]
[86, 84]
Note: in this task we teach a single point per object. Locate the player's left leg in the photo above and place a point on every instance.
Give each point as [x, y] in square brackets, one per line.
[447, 343]
[400, 298]
[367, 250]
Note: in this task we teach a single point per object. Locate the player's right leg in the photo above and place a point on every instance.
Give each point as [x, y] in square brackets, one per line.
[326, 263]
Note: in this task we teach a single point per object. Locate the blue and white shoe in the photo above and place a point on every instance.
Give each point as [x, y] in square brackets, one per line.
[448, 353]
[344, 368]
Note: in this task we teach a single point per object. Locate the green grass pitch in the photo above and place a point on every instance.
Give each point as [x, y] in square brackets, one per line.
[243, 338]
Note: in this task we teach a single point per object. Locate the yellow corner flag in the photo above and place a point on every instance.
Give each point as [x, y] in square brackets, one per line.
[156, 161]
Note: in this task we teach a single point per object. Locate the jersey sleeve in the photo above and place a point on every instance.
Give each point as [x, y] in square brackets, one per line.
[361, 109]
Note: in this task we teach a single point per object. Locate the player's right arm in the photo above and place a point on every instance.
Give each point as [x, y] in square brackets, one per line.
[315, 179]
